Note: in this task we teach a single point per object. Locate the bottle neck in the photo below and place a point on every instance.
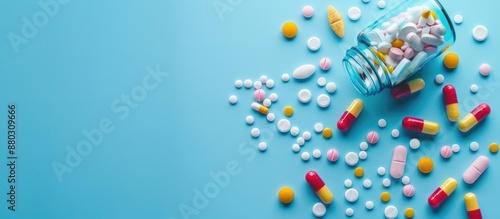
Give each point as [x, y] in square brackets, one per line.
[367, 72]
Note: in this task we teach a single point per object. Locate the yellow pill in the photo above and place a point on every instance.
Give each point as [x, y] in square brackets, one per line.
[327, 132]
[451, 60]
[359, 172]
[385, 197]
[494, 148]
[390, 68]
[409, 213]
[425, 165]
[398, 43]
[289, 29]
[288, 111]
[434, 15]
[285, 195]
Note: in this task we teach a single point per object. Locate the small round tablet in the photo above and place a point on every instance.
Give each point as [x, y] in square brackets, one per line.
[306, 135]
[351, 159]
[233, 99]
[332, 155]
[386, 182]
[409, 191]
[351, 195]
[295, 148]
[446, 152]
[263, 79]
[348, 183]
[316, 153]
[247, 83]
[300, 141]
[257, 85]
[439, 79]
[238, 83]
[480, 33]
[349, 212]
[363, 155]
[284, 125]
[458, 18]
[414, 143]
[395, 133]
[474, 88]
[266, 102]
[405, 180]
[308, 11]
[270, 83]
[367, 183]
[381, 4]
[369, 205]
[304, 95]
[294, 131]
[325, 64]
[249, 120]
[273, 97]
[262, 146]
[391, 212]
[319, 209]
[270, 117]
[474, 146]
[255, 132]
[381, 171]
[331, 87]
[318, 127]
[363, 146]
[285, 77]
[354, 13]
[321, 81]
[455, 148]
[313, 43]
[372, 137]
[323, 100]
[305, 156]
[382, 123]
[485, 69]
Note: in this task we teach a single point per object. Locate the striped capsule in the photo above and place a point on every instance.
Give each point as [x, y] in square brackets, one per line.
[474, 117]
[347, 119]
[319, 187]
[407, 88]
[259, 108]
[442, 193]
[451, 102]
[472, 206]
[420, 125]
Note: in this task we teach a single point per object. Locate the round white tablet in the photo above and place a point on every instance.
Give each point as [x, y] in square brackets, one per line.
[294, 131]
[381, 4]
[306, 135]
[386, 182]
[262, 146]
[249, 120]
[439, 79]
[455, 148]
[270, 117]
[295, 148]
[381, 171]
[458, 18]
[348, 183]
[263, 79]
[314, 43]
[331, 87]
[318, 127]
[363, 146]
[248, 83]
[255, 132]
[316, 153]
[363, 155]
[474, 88]
[414, 143]
[319, 209]
[382, 123]
[474, 146]
[233, 99]
[305, 156]
[395, 133]
[304, 95]
[266, 102]
[300, 141]
[273, 97]
[369, 205]
[391, 212]
[285, 77]
[323, 100]
[349, 212]
[354, 13]
[238, 83]
[257, 85]
[351, 158]
[367, 183]
[405, 180]
[480, 33]
[321, 81]
[351, 195]
[270, 83]
[284, 125]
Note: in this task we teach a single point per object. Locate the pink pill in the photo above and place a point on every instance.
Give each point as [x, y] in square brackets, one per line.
[308, 11]
[409, 191]
[485, 69]
[446, 152]
[409, 53]
[259, 95]
[372, 137]
[332, 155]
[396, 53]
[476, 169]
[398, 162]
[325, 64]
[430, 49]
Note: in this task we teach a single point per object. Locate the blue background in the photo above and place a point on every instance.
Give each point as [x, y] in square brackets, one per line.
[66, 78]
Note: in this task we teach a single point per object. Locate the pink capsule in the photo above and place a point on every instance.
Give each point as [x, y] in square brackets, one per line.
[476, 169]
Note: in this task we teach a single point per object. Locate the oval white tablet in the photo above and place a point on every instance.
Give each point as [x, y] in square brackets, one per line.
[304, 71]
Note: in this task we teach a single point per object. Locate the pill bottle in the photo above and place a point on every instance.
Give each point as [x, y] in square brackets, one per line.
[398, 44]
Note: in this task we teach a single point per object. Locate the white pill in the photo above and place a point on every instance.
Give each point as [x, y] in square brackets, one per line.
[306, 135]
[295, 148]
[304, 95]
[474, 146]
[318, 127]
[304, 71]
[406, 29]
[391, 212]
[381, 171]
[425, 30]
[270, 83]
[270, 117]
[294, 131]
[367, 183]
[285, 77]
[382, 123]
[284, 125]
[300, 141]
[262, 146]
[363, 155]
[414, 143]
[414, 40]
[386, 182]
[480, 33]
[348, 183]
[455, 148]
[331, 87]
[321, 81]
[351, 195]
[273, 97]
[249, 120]
[438, 30]
[439, 79]
[369, 205]
[323, 100]
[363, 146]
[257, 85]
[255, 132]
[351, 159]
[263, 79]
[474, 88]
[395, 133]
[381, 4]
[458, 19]
[405, 180]
[233, 99]
[354, 13]
[431, 39]
[384, 46]
[349, 212]
[266, 102]
[316, 153]
[313, 43]
[305, 156]
[248, 83]
[238, 83]
[385, 25]
[319, 209]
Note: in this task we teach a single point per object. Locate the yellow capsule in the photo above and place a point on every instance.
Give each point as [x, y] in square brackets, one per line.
[471, 202]
[434, 15]
[259, 108]
[449, 186]
[474, 117]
